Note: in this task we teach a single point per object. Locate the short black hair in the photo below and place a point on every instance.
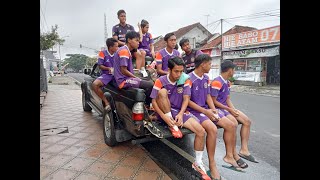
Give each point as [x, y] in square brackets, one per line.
[175, 61]
[121, 11]
[110, 42]
[200, 59]
[131, 35]
[144, 23]
[167, 36]
[226, 65]
[182, 41]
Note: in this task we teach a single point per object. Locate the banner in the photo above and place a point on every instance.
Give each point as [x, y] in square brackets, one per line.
[252, 53]
[250, 38]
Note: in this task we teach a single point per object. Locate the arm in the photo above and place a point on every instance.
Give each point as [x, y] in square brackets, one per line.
[160, 71]
[140, 32]
[119, 42]
[125, 72]
[152, 51]
[230, 103]
[102, 67]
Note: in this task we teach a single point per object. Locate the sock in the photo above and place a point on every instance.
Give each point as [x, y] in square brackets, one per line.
[142, 69]
[199, 156]
[168, 114]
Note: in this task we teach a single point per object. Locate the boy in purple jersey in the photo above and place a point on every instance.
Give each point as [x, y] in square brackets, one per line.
[220, 93]
[105, 62]
[146, 41]
[189, 54]
[123, 68]
[201, 106]
[166, 53]
[119, 32]
[170, 102]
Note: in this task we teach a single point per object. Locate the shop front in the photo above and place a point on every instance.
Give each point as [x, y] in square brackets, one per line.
[256, 55]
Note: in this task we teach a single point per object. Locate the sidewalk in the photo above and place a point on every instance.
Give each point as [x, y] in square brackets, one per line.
[269, 90]
[72, 144]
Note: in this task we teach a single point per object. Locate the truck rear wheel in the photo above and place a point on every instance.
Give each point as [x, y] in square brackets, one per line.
[109, 130]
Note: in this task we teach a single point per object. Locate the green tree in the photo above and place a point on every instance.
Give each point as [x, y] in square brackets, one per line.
[76, 61]
[91, 61]
[49, 39]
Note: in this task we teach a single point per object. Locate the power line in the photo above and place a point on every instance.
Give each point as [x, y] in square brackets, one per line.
[217, 25]
[254, 14]
[44, 18]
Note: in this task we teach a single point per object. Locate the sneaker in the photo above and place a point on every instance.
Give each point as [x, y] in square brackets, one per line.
[144, 73]
[175, 131]
[201, 169]
[153, 129]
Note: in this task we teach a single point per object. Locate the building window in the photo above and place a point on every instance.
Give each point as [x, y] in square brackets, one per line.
[254, 65]
[241, 64]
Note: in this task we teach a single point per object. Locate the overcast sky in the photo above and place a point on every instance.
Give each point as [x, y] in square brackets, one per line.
[82, 22]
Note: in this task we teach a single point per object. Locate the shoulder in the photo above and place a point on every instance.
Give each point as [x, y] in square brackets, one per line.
[216, 84]
[123, 52]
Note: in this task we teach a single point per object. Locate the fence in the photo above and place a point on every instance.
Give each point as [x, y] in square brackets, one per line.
[43, 77]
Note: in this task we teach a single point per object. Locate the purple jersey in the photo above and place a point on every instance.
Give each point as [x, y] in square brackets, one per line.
[189, 59]
[120, 31]
[199, 90]
[162, 57]
[146, 41]
[105, 59]
[220, 88]
[175, 93]
[122, 57]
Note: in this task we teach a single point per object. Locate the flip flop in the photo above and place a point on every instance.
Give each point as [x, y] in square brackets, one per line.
[242, 164]
[238, 169]
[209, 174]
[249, 158]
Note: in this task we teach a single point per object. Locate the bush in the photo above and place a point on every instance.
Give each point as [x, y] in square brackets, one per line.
[231, 79]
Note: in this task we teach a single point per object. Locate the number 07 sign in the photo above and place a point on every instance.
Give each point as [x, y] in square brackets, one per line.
[248, 38]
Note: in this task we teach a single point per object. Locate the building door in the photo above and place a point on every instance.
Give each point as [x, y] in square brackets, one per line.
[273, 70]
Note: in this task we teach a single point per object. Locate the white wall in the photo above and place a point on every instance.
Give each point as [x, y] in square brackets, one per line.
[196, 33]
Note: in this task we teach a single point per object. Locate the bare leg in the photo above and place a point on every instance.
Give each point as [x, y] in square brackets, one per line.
[235, 124]
[140, 59]
[229, 134]
[163, 101]
[96, 85]
[211, 130]
[244, 132]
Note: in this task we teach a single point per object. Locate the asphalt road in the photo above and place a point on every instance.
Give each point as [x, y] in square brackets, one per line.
[174, 155]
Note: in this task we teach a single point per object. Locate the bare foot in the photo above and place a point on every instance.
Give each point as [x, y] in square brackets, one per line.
[214, 171]
[247, 153]
[232, 162]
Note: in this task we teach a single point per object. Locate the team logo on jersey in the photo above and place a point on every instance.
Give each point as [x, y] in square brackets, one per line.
[147, 39]
[180, 90]
[205, 85]
[192, 59]
[119, 31]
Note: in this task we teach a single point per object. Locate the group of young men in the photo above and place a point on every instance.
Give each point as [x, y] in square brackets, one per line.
[195, 102]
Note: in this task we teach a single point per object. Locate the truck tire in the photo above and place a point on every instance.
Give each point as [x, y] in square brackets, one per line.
[109, 130]
[85, 104]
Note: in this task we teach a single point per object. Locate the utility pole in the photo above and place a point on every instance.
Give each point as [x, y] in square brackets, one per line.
[105, 28]
[221, 20]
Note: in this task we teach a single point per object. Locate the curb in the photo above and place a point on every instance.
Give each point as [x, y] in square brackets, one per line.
[75, 81]
[257, 94]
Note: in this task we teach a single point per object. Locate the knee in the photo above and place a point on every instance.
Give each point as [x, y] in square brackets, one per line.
[229, 125]
[96, 83]
[143, 53]
[213, 130]
[247, 122]
[201, 132]
[163, 93]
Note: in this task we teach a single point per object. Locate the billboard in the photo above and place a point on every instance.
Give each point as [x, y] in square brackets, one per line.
[249, 38]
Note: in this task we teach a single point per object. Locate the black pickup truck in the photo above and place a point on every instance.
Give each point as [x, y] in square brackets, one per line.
[129, 118]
